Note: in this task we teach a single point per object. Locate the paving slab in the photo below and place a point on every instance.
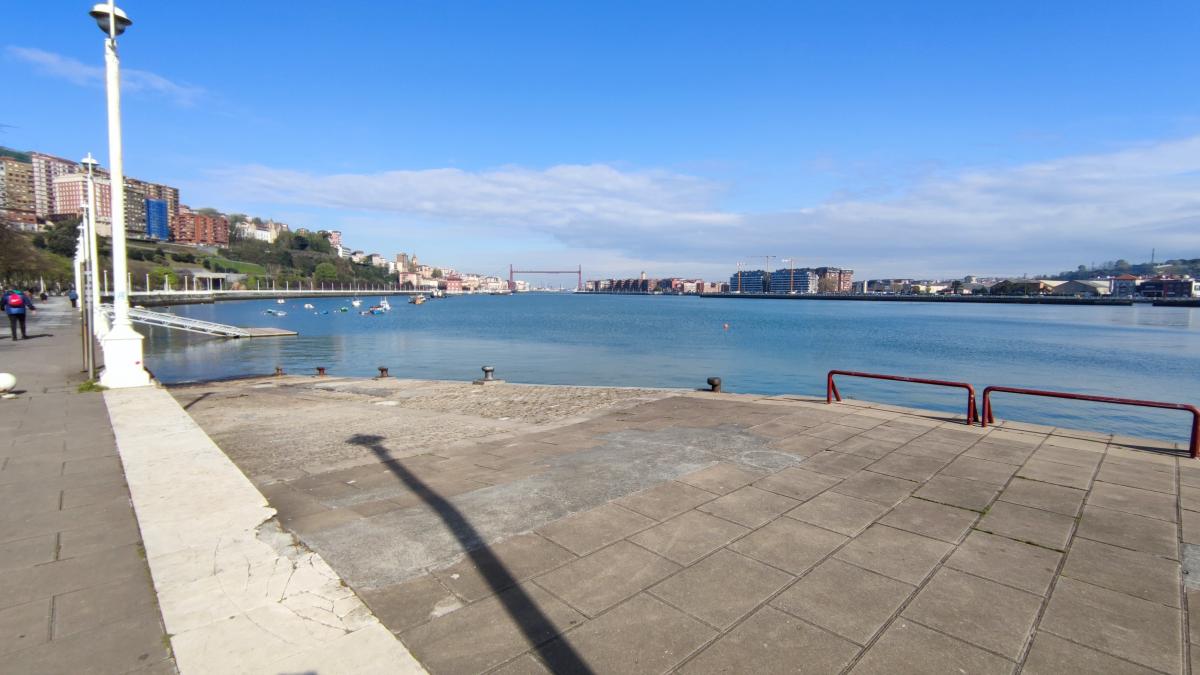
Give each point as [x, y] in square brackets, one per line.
[789, 544]
[938, 521]
[607, 577]
[1142, 575]
[1134, 500]
[1130, 531]
[895, 553]
[982, 612]
[689, 536]
[1043, 528]
[1051, 655]
[641, 635]
[1114, 623]
[497, 629]
[876, 487]
[840, 513]
[490, 570]
[666, 501]
[594, 529]
[749, 506]
[1007, 561]
[961, 492]
[797, 483]
[772, 641]
[908, 647]
[1045, 496]
[722, 588]
[850, 601]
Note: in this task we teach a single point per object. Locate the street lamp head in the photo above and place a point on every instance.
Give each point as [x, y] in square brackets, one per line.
[89, 161]
[100, 12]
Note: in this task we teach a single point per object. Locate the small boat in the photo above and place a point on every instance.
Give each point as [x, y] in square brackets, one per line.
[343, 309]
[308, 305]
[384, 304]
[356, 302]
[280, 301]
[275, 312]
[417, 300]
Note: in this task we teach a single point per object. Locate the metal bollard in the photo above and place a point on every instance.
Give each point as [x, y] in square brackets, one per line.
[715, 384]
[320, 371]
[278, 371]
[489, 376]
[383, 371]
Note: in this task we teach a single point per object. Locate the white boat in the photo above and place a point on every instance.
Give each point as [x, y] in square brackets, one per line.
[384, 304]
[308, 305]
[280, 301]
[356, 302]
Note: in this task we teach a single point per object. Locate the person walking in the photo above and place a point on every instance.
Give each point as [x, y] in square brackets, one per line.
[16, 303]
[73, 297]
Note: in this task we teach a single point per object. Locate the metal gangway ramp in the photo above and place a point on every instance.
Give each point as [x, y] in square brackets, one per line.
[151, 318]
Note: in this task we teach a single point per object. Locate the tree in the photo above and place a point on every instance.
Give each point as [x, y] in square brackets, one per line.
[437, 273]
[300, 242]
[827, 284]
[1122, 265]
[18, 258]
[325, 272]
[159, 274]
[61, 237]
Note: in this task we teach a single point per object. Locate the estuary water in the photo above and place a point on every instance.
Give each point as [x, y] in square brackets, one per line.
[759, 346]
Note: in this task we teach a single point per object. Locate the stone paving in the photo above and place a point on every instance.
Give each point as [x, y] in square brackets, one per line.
[75, 591]
[702, 533]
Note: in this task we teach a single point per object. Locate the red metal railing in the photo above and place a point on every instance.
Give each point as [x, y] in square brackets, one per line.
[831, 390]
[1193, 448]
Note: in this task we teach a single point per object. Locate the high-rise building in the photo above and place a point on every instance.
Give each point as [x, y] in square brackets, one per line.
[45, 169]
[16, 192]
[157, 226]
[335, 238]
[202, 229]
[835, 279]
[69, 192]
[750, 281]
[798, 280]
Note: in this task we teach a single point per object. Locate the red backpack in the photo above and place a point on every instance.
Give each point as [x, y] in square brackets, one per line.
[15, 300]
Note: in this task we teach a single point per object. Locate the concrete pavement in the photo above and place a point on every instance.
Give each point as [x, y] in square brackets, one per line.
[719, 534]
[75, 591]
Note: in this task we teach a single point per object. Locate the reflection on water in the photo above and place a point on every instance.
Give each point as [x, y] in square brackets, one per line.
[770, 347]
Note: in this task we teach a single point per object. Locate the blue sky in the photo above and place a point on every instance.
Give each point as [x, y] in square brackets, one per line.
[940, 139]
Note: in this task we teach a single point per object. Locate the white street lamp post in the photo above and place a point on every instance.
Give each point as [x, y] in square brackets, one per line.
[93, 250]
[122, 344]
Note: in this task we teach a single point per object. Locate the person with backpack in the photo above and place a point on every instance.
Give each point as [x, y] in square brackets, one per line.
[15, 304]
[73, 297]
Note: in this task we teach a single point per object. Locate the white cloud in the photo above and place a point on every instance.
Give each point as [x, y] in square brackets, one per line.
[1033, 218]
[83, 74]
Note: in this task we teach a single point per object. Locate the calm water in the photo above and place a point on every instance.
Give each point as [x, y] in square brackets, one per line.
[770, 347]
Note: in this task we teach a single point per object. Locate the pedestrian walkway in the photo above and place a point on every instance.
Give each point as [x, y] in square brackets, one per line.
[703, 533]
[75, 590]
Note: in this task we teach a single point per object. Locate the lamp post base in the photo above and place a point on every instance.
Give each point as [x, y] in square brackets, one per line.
[123, 359]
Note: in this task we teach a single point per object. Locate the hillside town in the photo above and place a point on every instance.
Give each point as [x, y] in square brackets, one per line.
[39, 190]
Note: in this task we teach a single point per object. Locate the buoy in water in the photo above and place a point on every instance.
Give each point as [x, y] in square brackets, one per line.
[726, 326]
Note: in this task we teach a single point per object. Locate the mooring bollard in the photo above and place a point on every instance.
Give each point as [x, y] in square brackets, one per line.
[320, 371]
[714, 384]
[278, 371]
[488, 376]
[383, 371]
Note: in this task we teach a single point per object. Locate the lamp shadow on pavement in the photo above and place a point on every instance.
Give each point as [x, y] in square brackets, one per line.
[539, 631]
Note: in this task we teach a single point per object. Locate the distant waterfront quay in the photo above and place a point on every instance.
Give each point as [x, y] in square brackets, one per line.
[767, 347]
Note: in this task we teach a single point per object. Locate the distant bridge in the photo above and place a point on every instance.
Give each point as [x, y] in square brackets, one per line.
[513, 272]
